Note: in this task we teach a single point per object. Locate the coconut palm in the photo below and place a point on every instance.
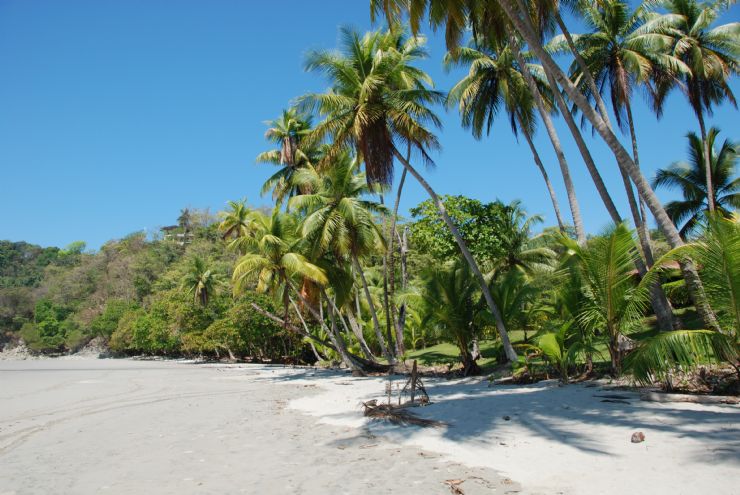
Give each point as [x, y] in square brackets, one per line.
[200, 280]
[235, 220]
[493, 81]
[689, 177]
[610, 300]
[711, 55]
[370, 109]
[717, 252]
[448, 295]
[292, 152]
[339, 219]
[493, 20]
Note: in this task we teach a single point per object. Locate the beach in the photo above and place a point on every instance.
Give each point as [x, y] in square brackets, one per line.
[84, 426]
[133, 426]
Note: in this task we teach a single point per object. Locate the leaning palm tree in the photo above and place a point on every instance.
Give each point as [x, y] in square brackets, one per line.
[339, 219]
[200, 280]
[711, 55]
[690, 176]
[717, 252]
[621, 52]
[510, 18]
[371, 110]
[493, 81]
[274, 261]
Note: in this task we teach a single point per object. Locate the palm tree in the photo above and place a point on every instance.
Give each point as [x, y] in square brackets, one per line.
[491, 20]
[235, 220]
[370, 109]
[339, 220]
[690, 179]
[493, 80]
[200, 280]
[610, 301]
[287, 132]
[717, 253]
[523, 252]
[711, 55]
[448, 295]
[185, 220]
[620, 52]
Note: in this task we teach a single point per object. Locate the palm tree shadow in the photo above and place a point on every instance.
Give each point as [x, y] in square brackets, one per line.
[564, 415]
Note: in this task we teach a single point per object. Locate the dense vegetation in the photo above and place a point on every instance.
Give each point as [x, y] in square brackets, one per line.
[334, 273]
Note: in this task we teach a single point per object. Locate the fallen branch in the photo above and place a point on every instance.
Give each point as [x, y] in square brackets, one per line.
[397, 415]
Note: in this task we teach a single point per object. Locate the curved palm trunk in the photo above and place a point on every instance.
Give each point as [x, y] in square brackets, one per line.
[508, 348]
[584, 68]
[374, 315]
[357, 329]
[555, 140]
[541, 167]
[661, 304]
[399, 325]
[694, 285]
[659, 301]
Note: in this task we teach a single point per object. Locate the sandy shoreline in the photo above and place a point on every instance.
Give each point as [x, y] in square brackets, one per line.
[122, 426]
[125, 426]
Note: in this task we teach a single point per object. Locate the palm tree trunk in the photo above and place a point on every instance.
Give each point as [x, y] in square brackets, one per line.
[659, 301]
[400, 348]
[389, 325]
[707, 161]
[357, 329]
[693, 283]
[403, 247]
[541, 167]
[376, 323]
[584, 68]
[661, 304]
[305, 328]
[508, 348]
[555, 140]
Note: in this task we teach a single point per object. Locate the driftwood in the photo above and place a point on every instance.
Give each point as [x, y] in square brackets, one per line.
[396, 414]
[696, 399]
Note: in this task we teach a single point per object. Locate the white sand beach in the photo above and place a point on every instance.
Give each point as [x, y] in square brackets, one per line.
[126, 426]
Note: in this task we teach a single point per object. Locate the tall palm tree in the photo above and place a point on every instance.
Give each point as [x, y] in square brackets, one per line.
[711, 55]
[493, 81]
[200, 280]
[621, 52]
[287, 132]
[370, 110]
[491, 20]
[689, 177]
[339, 219]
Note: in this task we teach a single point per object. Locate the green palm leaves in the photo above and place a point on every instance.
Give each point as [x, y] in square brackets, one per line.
[272, 255]
[200, 280]
[377, 100]
[689, 177]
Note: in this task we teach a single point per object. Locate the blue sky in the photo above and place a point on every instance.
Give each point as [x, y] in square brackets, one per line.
[114, 115]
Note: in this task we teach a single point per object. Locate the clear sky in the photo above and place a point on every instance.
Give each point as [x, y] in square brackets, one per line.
[114, 115]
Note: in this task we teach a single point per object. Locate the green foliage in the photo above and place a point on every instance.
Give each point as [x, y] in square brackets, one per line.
[480, 225]
[106, 322]
[22, 264]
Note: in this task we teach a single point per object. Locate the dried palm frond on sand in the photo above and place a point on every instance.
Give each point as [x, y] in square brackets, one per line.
[397, 415]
